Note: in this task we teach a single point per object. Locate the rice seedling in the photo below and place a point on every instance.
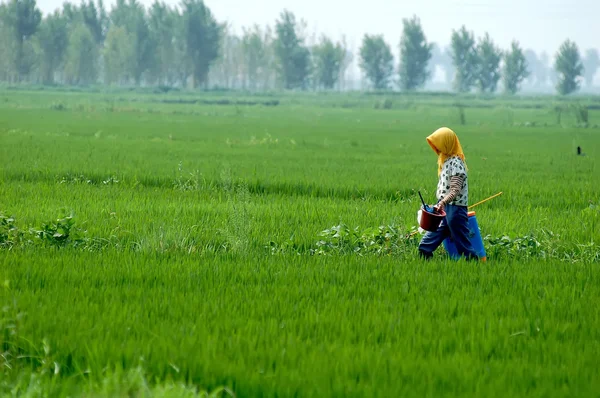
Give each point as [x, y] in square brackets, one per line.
[196, 245]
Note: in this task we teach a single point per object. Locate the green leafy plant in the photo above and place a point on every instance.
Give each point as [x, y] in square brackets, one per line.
[525, 246]
[60, 232]
[10, 234]
[544, 245]
[385, 239]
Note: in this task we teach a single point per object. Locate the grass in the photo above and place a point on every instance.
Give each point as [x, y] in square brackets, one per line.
[193, 260]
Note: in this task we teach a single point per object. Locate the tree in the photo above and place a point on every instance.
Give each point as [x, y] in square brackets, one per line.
[415, 54]
[70, 12]
[82, 56]
[464, 58]
[53, 39]
[132, 17]
[515, 68]
[5, 45]
[591, 63]
[569, 68]
[22, 18]
[202, 38]
[268, 65]
[95, 18]
[376, 61]
[162, 23]
[293, 58]
[181, 64]
[255, 47]
[347, 58]
[488, 65]
[228, 69]
[119, 55]
[328, 62]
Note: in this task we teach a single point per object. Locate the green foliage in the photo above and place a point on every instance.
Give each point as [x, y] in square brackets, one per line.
[545, 245]
[515, 68]
[257, 51]
[415, 53]
[8, 60]
[382, 240]
[118, 55]
[228, 68]
[137, 47]
[10, 235]
[328, 59]
[60, 232]
[164, 23]
[175, 281]
[53, 38]
[376, 61]
[6, 48]
[525, 246]
[82, 55]
[202, 35]
[569, 67]
[293, 57]
[488, 65]
[22, 18]
[464, 59]
[95, 18]
[172, 46]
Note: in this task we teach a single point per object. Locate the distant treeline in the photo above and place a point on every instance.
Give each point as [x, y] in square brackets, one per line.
[185, 46]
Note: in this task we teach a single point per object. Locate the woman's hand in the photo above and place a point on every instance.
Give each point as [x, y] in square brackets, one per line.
[439, 207]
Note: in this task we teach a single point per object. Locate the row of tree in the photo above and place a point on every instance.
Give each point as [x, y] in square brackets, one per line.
[85, 44]
[185, 45]
[478, 64]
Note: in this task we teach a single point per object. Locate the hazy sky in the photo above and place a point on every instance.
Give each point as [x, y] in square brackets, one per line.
[541, 25]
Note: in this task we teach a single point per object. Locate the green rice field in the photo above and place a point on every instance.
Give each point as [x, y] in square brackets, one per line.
[221, 244]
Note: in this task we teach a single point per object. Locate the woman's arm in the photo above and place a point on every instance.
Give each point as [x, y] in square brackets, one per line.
[456, 183]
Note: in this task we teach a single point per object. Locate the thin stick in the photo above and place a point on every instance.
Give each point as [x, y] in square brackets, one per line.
[485, 200]
[470, 207]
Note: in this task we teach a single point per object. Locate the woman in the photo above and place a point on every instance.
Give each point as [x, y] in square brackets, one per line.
[452, 194]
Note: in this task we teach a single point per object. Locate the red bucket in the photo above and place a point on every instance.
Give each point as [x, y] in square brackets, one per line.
[431, 221]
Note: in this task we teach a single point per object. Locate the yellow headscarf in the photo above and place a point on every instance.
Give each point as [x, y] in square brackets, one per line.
[445, 143]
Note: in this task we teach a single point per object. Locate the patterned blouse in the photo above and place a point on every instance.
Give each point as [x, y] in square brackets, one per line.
[453, 187]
